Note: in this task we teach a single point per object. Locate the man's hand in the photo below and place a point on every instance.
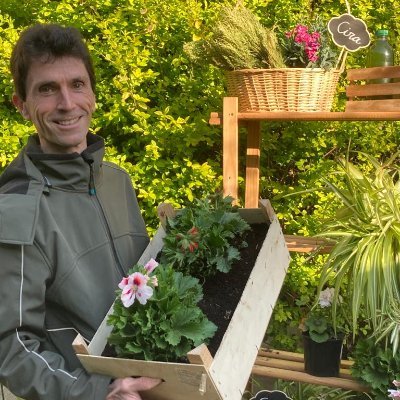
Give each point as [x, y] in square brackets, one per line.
[128, 388]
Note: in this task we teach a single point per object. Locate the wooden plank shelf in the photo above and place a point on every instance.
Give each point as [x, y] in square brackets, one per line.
[304, 244]
[289, 366]
[216, 118]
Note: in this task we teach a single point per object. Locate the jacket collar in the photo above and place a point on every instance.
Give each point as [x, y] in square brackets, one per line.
[68, 171]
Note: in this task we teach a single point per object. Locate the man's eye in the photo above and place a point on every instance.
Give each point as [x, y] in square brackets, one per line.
[78, 85]
[46, 89]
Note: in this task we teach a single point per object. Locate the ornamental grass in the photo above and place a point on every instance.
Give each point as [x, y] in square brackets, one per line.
[237, 41]
[366, 257]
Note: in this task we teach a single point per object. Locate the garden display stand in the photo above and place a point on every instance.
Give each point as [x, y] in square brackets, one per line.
[225, 375]
[363, 104]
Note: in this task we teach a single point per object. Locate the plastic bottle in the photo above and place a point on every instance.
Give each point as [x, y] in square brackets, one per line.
[380, 53]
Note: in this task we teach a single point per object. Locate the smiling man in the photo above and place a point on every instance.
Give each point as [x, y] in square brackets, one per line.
[70, 227]
[59, 101]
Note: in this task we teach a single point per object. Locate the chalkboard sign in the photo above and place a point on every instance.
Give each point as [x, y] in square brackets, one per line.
[270, 395]
[349, 32]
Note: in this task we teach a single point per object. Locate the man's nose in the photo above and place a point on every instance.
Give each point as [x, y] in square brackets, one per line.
[65, 101]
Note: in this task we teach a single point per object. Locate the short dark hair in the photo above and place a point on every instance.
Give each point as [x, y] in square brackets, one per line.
[46, 42]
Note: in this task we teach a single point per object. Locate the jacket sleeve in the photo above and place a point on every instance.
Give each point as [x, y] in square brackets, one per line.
[27, 366]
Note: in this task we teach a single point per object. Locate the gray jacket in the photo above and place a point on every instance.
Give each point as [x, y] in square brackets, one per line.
[70, 228]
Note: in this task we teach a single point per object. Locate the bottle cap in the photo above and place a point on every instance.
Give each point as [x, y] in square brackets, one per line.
[382, 32]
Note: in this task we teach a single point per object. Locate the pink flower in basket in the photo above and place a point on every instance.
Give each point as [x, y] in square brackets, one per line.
[309, 46]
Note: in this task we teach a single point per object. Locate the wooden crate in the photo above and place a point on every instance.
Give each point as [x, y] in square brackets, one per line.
[206, 378]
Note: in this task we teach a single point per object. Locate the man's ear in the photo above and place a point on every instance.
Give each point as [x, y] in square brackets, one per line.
[20, 104]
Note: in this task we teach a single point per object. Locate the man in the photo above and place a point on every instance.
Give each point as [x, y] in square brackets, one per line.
[70, 227]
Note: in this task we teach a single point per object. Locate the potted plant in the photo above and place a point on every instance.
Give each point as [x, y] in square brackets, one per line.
[269, 71]
[321, 335]
[366, 230]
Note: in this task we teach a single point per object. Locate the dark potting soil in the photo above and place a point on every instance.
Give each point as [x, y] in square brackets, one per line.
[223, 291]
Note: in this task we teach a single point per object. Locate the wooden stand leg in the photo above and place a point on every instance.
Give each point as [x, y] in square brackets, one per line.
[230, 147]
[253, 164]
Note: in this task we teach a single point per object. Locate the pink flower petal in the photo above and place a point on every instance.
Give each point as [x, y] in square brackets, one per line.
[123, 283]
[128, 296]
[143, 294]
[151, 265]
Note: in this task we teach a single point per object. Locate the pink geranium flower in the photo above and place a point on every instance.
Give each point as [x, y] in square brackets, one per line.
[151, 265]
[135, 287]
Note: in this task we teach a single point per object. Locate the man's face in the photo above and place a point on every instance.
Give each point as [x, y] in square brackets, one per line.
[59, 102]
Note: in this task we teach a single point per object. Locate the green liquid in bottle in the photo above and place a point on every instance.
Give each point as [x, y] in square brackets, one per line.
[380, 54]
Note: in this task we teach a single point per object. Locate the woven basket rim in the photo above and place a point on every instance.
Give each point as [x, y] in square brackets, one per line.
[262, 70]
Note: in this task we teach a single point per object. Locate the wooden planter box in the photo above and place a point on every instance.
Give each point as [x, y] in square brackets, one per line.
[225, 376]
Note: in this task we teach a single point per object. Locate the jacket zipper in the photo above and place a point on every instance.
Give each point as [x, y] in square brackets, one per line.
[92, 192]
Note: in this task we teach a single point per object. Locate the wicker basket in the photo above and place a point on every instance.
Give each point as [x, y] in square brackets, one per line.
[283, 89]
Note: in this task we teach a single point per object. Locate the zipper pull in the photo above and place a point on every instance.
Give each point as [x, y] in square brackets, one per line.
[47, 185]
[89, 159]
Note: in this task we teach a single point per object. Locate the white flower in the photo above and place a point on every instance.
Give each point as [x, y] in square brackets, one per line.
[326, 297]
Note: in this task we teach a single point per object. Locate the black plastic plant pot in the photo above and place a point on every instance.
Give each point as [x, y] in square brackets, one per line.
[322, 359]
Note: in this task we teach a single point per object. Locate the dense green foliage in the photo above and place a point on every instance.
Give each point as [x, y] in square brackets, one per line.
[376, 366]
[205, 237]
[153, 106]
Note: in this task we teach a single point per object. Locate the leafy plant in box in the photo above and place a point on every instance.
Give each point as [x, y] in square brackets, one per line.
[205, 237]
[156, 317]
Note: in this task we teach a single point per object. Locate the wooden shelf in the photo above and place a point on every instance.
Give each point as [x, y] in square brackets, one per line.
[286, 365]
[230, 119]
[304, 244]
[217, 118]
